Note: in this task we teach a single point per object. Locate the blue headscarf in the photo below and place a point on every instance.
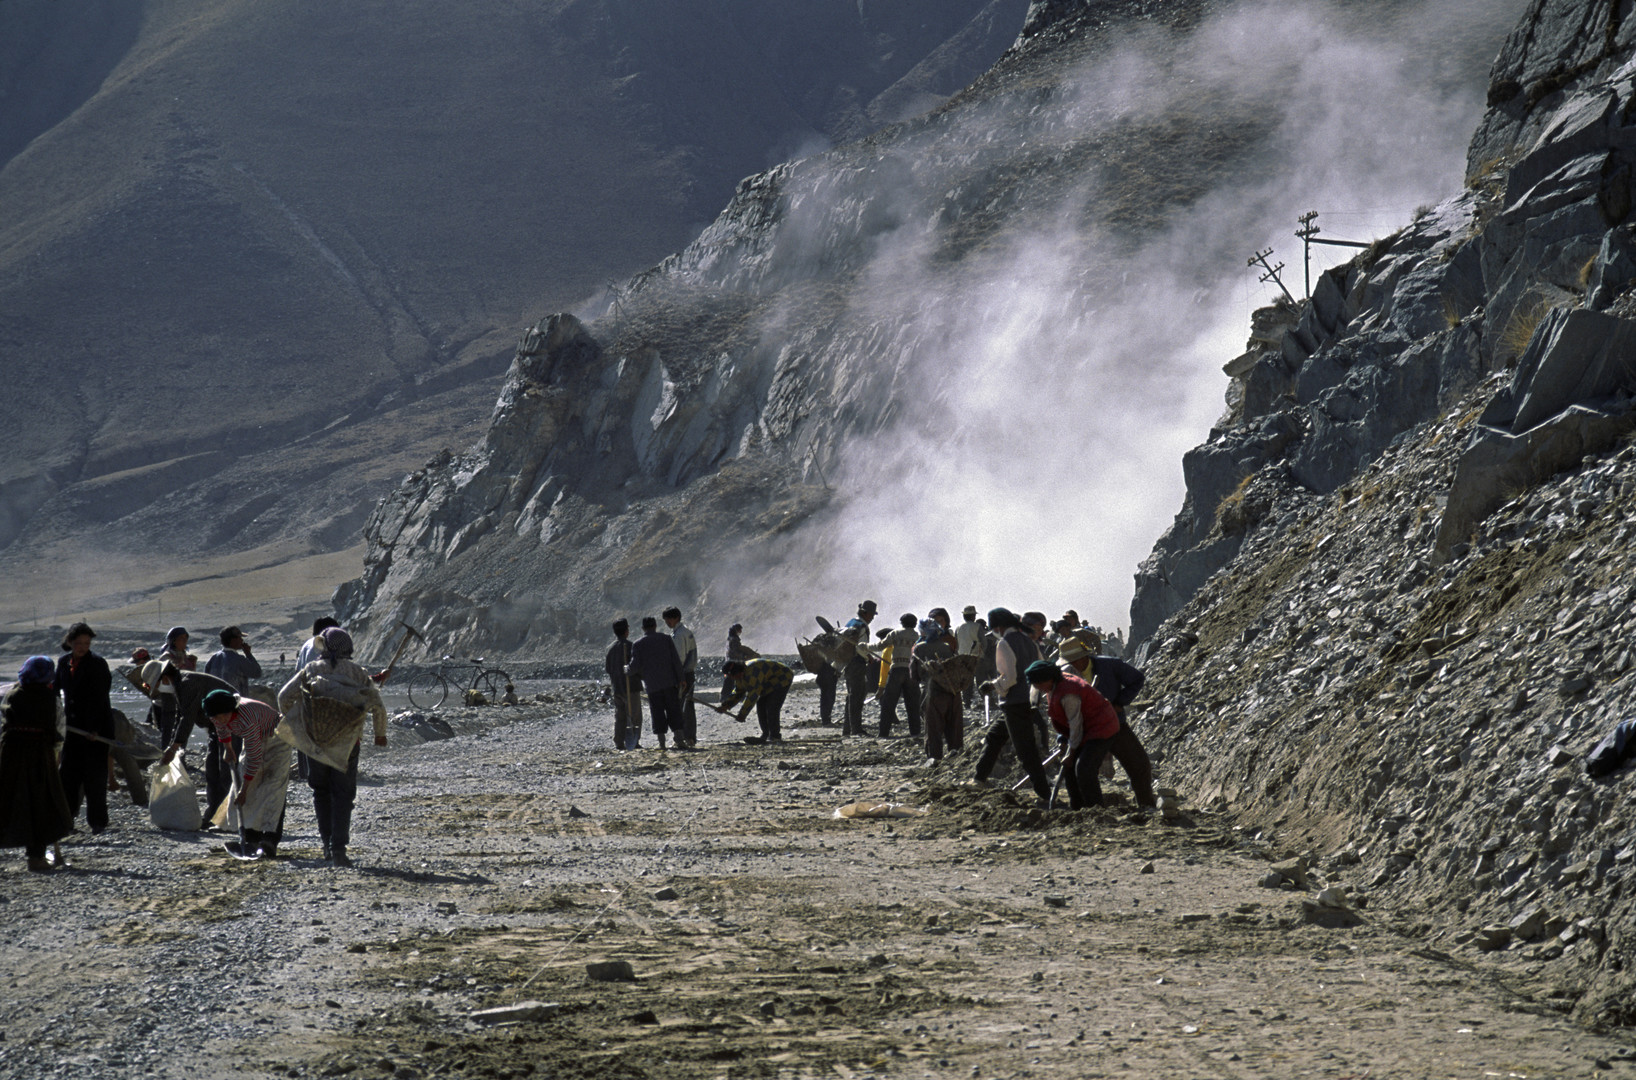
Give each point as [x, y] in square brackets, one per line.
[37, 670]
[930, 630]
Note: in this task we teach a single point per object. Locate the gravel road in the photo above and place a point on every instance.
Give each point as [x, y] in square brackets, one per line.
[763, 936]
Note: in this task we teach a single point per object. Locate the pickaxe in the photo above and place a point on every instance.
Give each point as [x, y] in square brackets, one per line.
[411, 632]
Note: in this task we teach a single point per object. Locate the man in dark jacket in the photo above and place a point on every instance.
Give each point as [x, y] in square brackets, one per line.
[627, 706]
[1119, 683]
[1015, 651]
[84, 680]
[190, 688]
[654, 661]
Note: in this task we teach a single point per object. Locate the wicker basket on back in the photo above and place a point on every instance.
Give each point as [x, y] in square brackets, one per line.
[331, 722]
[953, 674]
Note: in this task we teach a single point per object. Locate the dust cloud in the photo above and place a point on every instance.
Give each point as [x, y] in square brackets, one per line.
[1046, 390]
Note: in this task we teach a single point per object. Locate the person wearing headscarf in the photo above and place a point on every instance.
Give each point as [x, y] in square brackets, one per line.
[324, 706]
[33, 810]
[1085, 723]
[940, 701]
[263, 770]
[84, 681]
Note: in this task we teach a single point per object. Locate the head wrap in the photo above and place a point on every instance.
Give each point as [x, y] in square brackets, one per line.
[930, 630]
[174, 632]
[1042, 671]
[337, 644]
[37, 670]
[220, 701]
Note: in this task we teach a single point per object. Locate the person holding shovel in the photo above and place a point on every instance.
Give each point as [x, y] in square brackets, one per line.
[763, 683]
[263, 771]
[1084, 720]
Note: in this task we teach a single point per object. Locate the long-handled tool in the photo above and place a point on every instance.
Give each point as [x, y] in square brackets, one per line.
[1018, 786]
[411, 632]
[718, 708]
[1051, 803]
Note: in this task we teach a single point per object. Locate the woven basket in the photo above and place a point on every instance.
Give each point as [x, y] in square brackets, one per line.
[953, 674]
[330, 721]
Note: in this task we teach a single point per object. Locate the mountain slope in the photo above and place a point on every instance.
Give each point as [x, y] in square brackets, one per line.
[233, 225]
[868, 375]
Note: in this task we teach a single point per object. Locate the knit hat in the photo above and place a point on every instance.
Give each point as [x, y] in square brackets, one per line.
[1042, 671]
[37, 670]
[220, 701]
[1002, 618]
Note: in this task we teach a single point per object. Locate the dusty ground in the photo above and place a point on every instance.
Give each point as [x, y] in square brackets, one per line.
[978, 940]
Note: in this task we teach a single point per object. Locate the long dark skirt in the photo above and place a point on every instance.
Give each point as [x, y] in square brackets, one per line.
[33, 810]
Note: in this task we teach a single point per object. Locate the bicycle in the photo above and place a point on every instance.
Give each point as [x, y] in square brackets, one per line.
[429, 689]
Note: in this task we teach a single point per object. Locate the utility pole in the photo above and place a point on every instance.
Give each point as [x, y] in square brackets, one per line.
[1271, 272]
[1308, 234]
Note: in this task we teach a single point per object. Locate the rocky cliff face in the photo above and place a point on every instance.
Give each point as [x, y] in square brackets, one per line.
[814, 398]
[1396, 609]
[1521, 272]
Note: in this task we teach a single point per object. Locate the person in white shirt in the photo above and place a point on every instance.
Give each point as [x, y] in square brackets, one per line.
[687, 651]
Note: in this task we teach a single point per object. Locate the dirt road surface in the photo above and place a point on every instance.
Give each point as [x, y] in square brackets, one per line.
[763, 937]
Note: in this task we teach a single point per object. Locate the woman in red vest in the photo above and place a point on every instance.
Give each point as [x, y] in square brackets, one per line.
[1085, 719]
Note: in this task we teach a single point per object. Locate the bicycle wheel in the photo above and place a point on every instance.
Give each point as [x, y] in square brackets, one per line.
[427, 690]
[493, 683]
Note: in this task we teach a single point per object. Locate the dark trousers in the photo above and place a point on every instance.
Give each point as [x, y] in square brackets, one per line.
[333, 793]
[666, 707]
[251, 839]
[945, 722]
[627, 720]
[689, 731]
[1128, 750]
[768, 709]
[85, 772]
[856, 691]
[827, 678]
[1080, 778]
[1016, 725]
[899, 685]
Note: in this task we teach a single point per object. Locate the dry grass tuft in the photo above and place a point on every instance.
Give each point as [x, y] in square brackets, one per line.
[1525, 319]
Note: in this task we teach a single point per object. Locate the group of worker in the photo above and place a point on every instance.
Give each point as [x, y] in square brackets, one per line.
[1033, 669]
[252, 732]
